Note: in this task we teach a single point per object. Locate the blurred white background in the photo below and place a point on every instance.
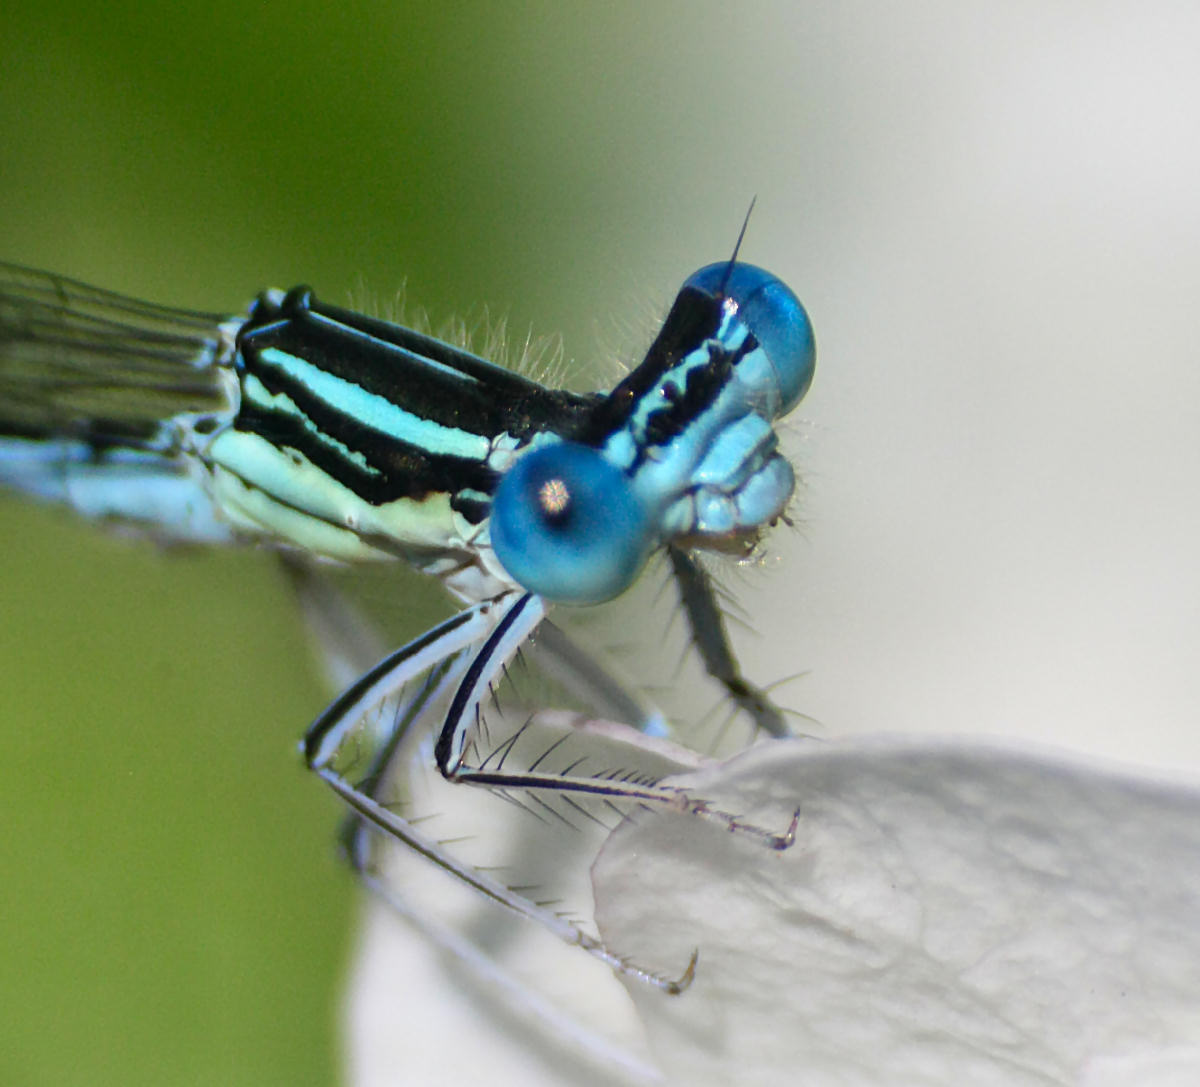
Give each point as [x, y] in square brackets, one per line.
[1001, 527]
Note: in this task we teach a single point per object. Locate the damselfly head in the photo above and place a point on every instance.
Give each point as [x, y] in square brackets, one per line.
[683, 448]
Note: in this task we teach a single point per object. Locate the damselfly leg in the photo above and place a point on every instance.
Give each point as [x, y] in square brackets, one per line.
[615, 765]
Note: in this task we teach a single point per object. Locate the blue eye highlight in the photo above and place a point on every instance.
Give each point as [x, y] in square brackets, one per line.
[566, 524]
[776, 319]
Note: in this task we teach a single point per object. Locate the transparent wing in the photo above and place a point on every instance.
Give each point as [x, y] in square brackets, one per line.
[101, 397]
[78, 361]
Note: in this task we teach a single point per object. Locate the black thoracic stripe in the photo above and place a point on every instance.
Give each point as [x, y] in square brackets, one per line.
[403, 470]
[395, 468]
[425, 347]
[393, 362]
[694, 318]
[473, 510]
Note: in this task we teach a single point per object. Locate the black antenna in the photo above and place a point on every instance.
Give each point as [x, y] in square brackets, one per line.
[738, 244]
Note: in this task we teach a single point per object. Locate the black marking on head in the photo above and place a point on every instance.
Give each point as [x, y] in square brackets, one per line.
[694, 318]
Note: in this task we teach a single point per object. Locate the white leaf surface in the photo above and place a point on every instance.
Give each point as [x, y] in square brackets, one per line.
[952, 911]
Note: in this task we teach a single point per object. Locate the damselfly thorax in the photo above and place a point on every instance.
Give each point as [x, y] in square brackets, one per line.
[338, 436]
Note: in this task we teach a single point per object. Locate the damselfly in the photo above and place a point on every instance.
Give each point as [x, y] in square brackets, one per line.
[336, 436]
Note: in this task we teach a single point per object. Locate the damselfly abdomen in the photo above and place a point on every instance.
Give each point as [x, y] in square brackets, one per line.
[336, 436]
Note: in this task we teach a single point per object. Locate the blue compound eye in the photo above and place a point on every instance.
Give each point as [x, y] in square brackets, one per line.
[775, 317]
[566, 525]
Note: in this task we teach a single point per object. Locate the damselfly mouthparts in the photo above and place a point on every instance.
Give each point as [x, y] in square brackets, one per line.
[336, 436]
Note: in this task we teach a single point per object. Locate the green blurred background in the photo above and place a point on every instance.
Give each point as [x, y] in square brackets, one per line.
[173, 912]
